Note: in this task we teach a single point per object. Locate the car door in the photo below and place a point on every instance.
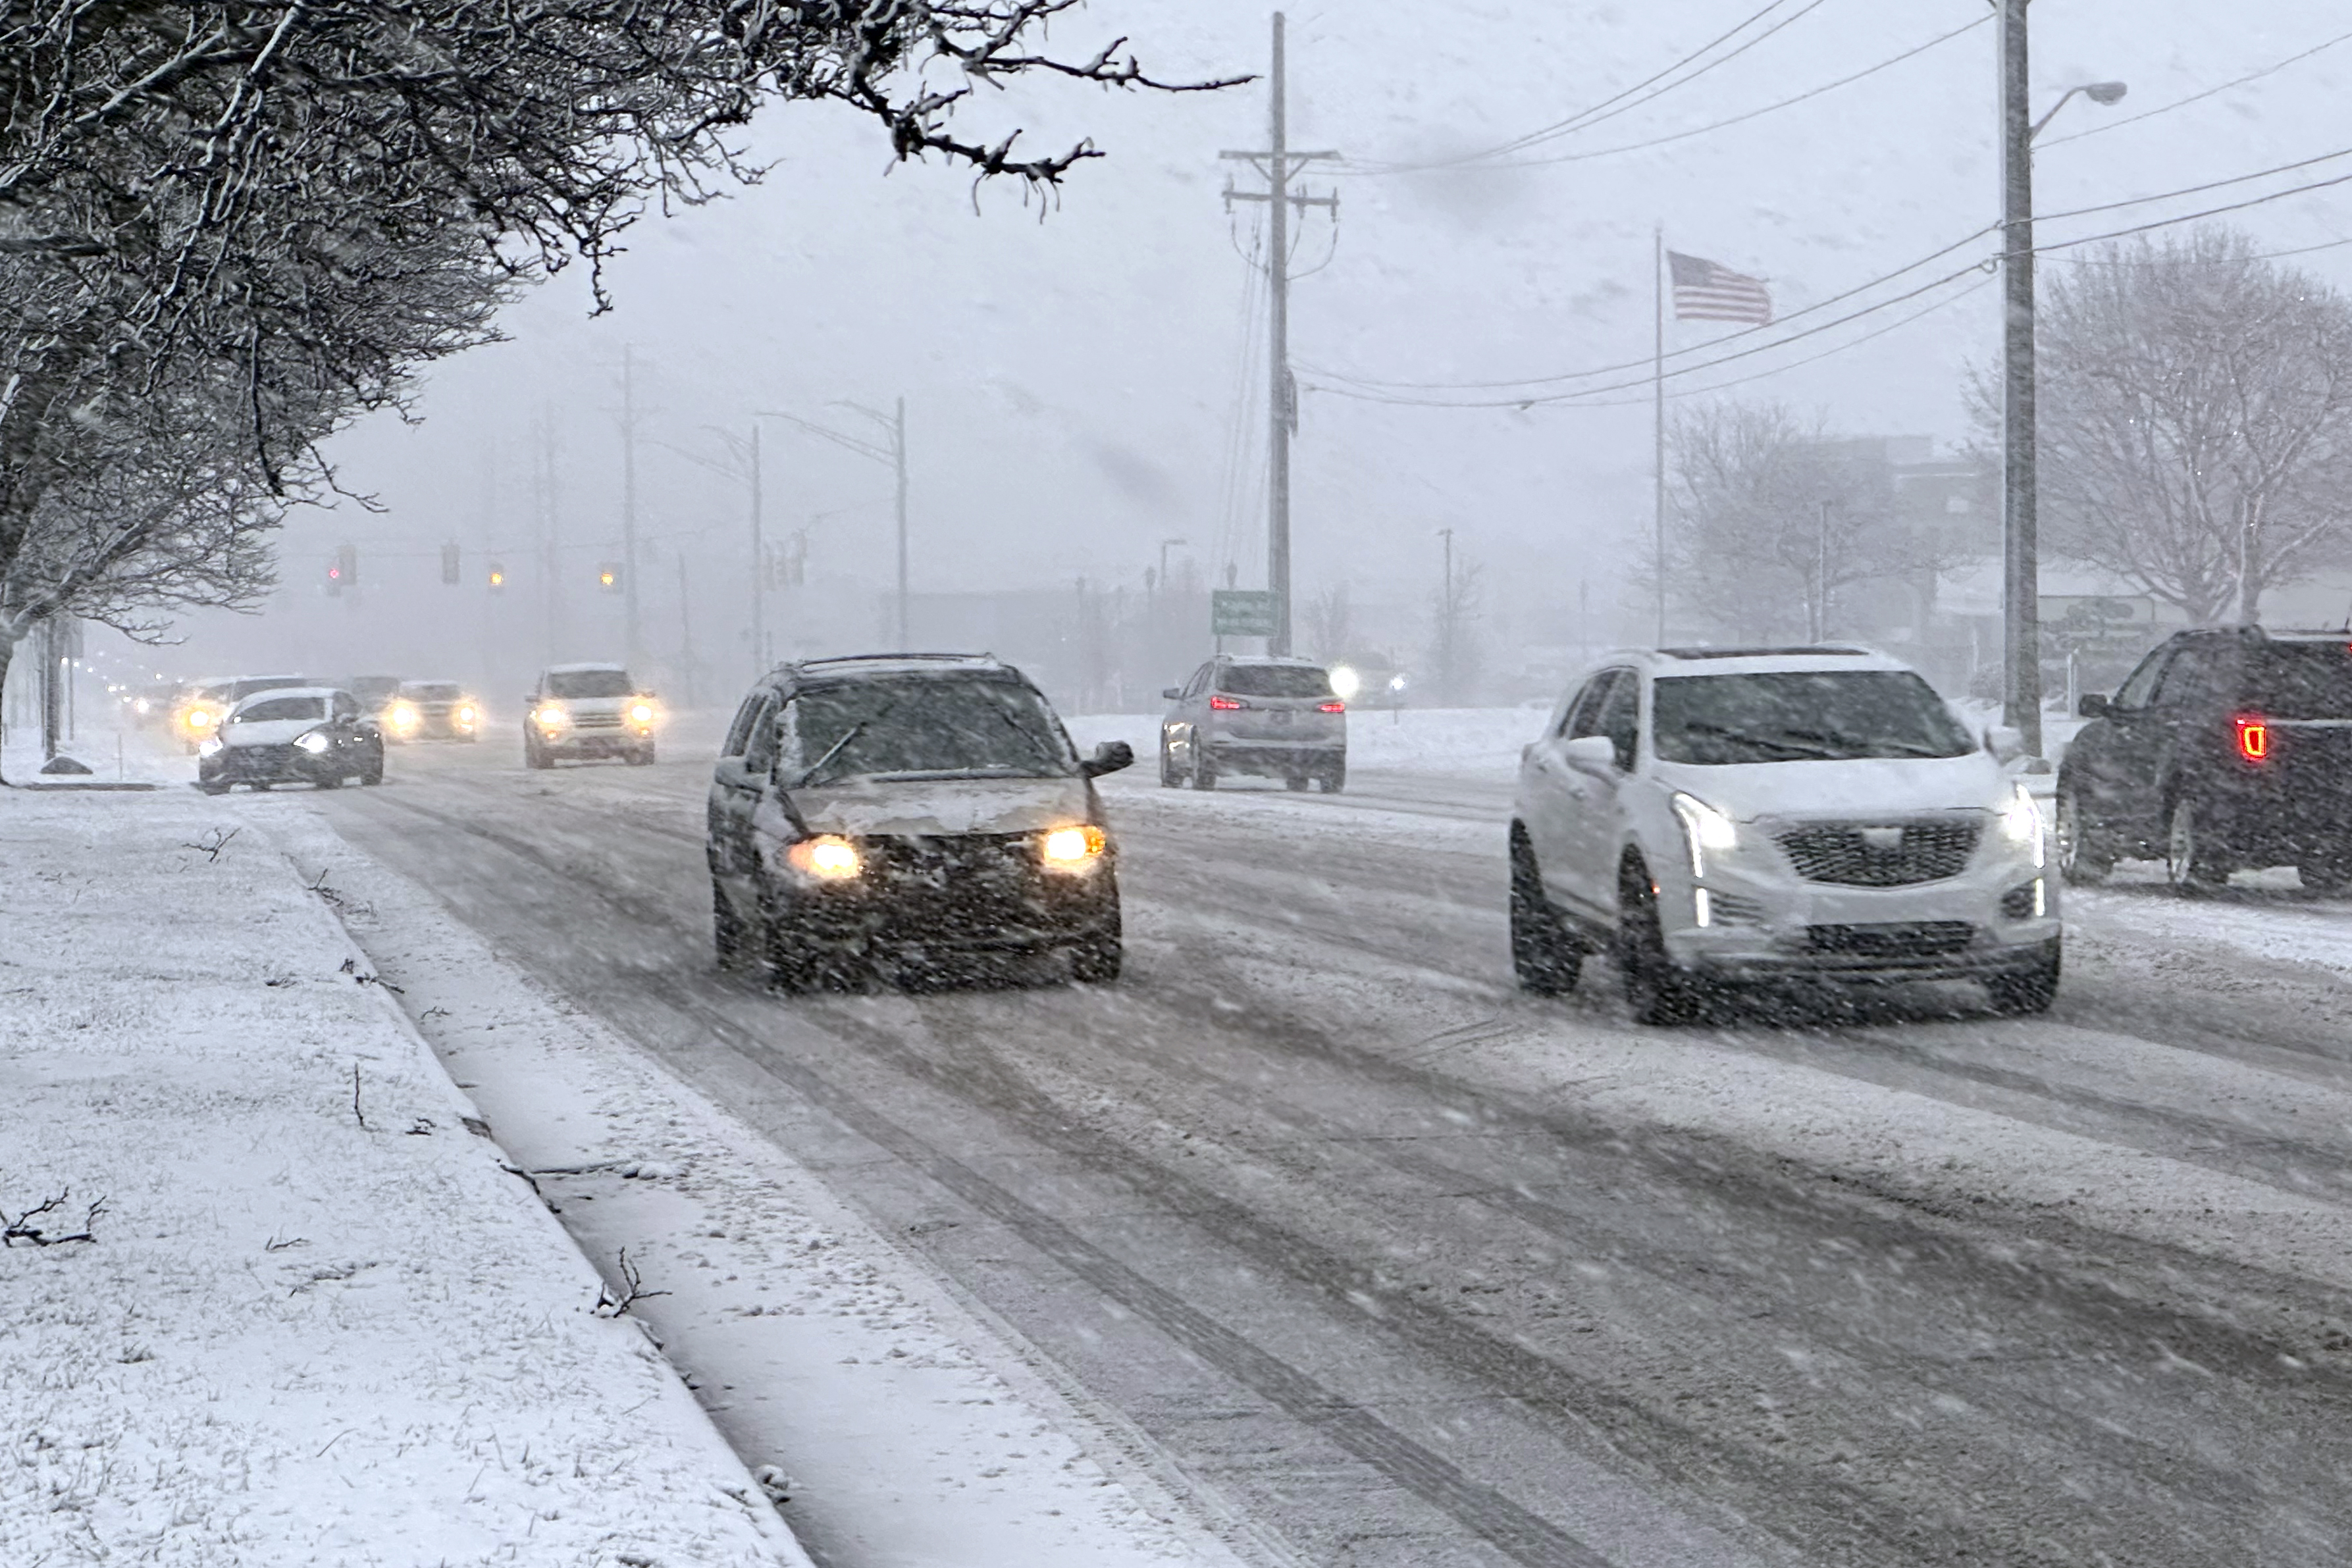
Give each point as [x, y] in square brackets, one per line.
[2110, 761]
[343, 731]
[737, 783]
[1184, 732]
[1560, 797]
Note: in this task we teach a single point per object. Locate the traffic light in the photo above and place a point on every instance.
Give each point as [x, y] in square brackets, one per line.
[343, 569]
[497, 578]
[449, 573]
[608, 576]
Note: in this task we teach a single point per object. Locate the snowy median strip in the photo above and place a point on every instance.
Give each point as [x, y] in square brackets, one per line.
[313, 1320]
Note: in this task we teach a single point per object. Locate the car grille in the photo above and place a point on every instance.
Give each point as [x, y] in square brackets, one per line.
[263, 760]
[596, 720]
[1917, 938]
[1843, 852]
[972, 882]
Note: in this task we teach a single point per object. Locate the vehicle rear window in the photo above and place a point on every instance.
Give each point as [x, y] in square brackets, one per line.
[591, 683]
[1274, 680]
[922, 728]
[1801, 716]
[271, 708]
[2302, 680]
[431, 691]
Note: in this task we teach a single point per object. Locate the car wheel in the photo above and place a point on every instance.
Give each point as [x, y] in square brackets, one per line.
[641, 756]
[1297, 783]
[332, 781]
[728, 935]
[2189, 864]
[1168, 775]
[2027, 992]
[1334, 781]
[1204, 768]
[259, 786]
[1546, 959]
[535, 756]
[212, 788]
[1658, 990]
[2083, 857]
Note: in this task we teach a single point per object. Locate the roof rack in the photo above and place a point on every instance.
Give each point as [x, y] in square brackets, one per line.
[871, 657]
[1828, 650]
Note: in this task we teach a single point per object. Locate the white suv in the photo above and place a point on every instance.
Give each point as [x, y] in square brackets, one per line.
[1718, 815]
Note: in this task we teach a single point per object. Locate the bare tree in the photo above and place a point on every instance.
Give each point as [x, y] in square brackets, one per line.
[1775, 523]
[1330, 623]
[2196, 419]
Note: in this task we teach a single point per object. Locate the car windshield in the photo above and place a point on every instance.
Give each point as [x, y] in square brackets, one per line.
[1274, 680]
[2302, 680]
[243, 689]
[431, 691]
[590, 683]
[924, 728]
[280, 708]
[1802, 716]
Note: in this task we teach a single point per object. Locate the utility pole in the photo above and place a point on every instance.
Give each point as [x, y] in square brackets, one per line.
[629, 504]
[1821, 577]
[899, 460]
[1278, 164]
[758, 568]
[2021, 549]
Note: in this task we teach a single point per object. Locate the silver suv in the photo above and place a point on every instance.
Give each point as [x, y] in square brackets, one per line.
[1277, 718]
[1713, 817]
[588, 711]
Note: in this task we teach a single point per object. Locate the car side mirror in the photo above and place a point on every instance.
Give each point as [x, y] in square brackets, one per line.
[2005, 745]
[1592, 754]
[1172, 693]
[2092, 705]
[1109, 758]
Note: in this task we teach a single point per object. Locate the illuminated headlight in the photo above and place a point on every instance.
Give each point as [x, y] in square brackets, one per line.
[2020, 824]
[314, 742]
[210, 746]
[403, 716]
[1704, 829]
[1071, 848]
[466, 717]
[198, 719]
[1345, 682]
[828, 858]
[551, 717]
[642, 713]
[139, 705]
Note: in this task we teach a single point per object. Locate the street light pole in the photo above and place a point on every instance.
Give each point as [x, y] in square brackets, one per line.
[759, 566]
[898, 459]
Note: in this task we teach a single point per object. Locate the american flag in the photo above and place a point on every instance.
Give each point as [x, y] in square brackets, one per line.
[1710, 292]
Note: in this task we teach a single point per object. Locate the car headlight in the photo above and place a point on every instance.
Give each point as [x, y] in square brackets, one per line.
[1704, 828]
[466, 716]
[551, 717]
[314, 742]
[828, 858]
[403, 716]
[2020, 824]
[1072, 848]
[210, 746]
[642, 713]
[198, 719]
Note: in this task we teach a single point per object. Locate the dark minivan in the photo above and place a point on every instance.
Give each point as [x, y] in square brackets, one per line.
[2225, 751]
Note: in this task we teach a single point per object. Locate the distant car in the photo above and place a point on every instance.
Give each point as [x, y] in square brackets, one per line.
[304, 734]
[374, 692]
[2223, 751]
[205, 702]
[1720, 815]
[432, 709]
[899, 809]
[1277, 718]
[588, 711]
[150, 707]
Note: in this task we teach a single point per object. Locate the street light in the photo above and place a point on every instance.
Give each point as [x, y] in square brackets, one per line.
[2021, 548]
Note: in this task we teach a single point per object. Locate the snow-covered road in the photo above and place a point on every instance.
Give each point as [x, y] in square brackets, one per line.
[1367, 1258]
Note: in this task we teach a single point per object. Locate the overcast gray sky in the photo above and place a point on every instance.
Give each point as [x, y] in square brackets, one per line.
[1077, 386]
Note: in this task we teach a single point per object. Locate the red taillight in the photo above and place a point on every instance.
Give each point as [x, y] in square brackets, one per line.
[1332, 708]
[2254, 738]
[1224, 703]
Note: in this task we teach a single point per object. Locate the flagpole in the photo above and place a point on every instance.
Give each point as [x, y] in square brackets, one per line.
[1658, 418]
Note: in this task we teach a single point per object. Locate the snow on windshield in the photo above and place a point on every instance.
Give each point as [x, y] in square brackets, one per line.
[934, 727]
[279, 708]
[591, 683]
[1803, 716]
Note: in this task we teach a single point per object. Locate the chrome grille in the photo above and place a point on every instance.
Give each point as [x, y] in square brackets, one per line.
[1881, 854]
[1916, 938]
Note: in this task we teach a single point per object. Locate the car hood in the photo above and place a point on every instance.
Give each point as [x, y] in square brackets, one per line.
[268, 731]
[943, 806]
[1872, 788]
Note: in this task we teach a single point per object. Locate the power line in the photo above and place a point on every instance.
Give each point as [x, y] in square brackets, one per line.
[2198, 190]
[2104, 126]
[2192, 217]
[1589, 115]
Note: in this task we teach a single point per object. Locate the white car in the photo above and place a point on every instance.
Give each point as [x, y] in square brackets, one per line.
[588, 711]
[1714, 816]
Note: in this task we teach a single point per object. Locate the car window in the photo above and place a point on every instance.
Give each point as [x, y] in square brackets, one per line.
[1619, 717]
[1803, 716]
[759, 742]
[590, 683]
[1200, 681]
[2301, 679]
[922, 728]
[2139, 686]
[1277, 680]
[1584, 713]
[739, 734]
[280, 709]
[2192, 677]
[430, 691]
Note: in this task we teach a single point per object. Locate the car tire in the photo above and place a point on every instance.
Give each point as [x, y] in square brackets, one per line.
[641, 756]
[728, 936]
[2190, 865]
[2084, 858]
[1297, 783]
[535, 756]
[373, 774]
[1204, 768]
[1336, 780]
[2027, 993]
[1658, 990]
[1169, 778]
[1546, 958]
[212, 788]
[332, 781]
[259, 786]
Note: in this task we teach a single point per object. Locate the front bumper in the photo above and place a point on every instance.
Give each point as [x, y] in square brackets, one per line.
[1993, 919]
[271, 765]
[580, 741]
[965, 894]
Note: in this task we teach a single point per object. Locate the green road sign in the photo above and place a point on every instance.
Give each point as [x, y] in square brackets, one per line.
[1243, 612]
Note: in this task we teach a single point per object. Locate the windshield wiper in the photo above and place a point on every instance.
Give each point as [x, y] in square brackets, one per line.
[808, 774]
[1748, 738]
[1042, 752]
[1871, 746]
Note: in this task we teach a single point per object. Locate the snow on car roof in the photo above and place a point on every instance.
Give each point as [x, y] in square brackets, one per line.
[1281, 659]
[275, 692]
[1674, 661]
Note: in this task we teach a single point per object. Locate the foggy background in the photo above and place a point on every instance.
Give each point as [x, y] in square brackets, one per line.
[1087, 383]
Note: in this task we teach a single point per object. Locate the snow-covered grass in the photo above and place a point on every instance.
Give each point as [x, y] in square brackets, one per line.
[317, 1322]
